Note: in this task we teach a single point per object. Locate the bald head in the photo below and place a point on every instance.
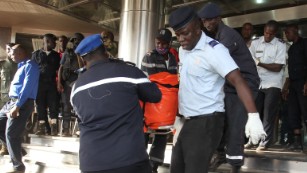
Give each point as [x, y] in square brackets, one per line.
[18, 53]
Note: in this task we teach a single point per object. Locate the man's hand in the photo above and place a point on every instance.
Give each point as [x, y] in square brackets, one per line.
[179, 121]
[284, 94]
[60, 87]
[257, 61]
[254, 128]
[14, 113]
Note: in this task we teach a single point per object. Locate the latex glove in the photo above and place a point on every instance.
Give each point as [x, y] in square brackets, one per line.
[177, 128]
[257, 61]
[254, 128]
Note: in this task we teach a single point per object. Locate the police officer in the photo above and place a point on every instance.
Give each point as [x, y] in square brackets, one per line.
[14, 114]
[67, 76]
[47, 97]
[159, 60]
[296, 85]
[269, 54]
[7, 70]
[205, 65]
[106, 99]
[233, 138]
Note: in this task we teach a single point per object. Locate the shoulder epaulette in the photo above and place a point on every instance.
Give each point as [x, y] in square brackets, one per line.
[256, 38]
[213, 43]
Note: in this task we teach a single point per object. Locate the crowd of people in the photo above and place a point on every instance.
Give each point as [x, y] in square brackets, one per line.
[230, 86]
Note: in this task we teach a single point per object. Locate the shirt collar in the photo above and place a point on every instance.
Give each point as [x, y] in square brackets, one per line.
[23, 62]
[102, 61]
[273, 41]
[201, 42]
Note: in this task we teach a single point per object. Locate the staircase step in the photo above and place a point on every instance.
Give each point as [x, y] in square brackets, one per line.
[34, 166]
[51, 155]
[65, 143]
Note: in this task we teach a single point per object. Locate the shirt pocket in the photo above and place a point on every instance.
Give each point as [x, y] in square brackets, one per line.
[196, 71]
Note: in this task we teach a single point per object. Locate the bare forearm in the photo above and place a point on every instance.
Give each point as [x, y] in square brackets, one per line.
[271, 67]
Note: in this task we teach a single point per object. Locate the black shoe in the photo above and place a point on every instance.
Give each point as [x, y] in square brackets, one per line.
[41, 129]
[23, 152]
[216, 160]
[66, 133]
[297, 144]
[54, 129]
[235, 169]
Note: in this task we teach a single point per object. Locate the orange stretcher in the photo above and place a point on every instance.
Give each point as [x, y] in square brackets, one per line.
[162, 115]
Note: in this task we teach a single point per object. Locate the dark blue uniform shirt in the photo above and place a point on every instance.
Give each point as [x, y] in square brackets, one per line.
[106, 98]
[297, 61]
[240, 54]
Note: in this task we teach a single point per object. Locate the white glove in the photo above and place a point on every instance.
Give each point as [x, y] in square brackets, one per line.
[254, 128]
[177, 128]
[257, 61]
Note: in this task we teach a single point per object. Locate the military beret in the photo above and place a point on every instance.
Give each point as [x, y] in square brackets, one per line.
[89, 44]
[209, 11]
[181, 17]
[164, 34]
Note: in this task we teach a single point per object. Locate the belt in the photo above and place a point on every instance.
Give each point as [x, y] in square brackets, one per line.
[202, 116]
[13, 99]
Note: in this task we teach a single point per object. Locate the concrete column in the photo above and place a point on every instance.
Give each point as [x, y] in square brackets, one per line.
[139, 23]
[5, 37]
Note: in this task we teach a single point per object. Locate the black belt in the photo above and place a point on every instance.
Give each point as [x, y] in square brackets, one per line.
[202, 116]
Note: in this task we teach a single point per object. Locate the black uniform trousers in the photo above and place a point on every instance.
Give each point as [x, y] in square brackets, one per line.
[67, 108]
[11, 130]
[157, 150]
[47, 97]
[196, 143]
[297, 104]
[141, 167]
[267, 103]
[234, 133]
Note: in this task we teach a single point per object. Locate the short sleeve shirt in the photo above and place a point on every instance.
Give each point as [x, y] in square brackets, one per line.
[269, 53]
[202, 77]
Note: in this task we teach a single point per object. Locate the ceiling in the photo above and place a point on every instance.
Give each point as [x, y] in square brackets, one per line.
[95, 15]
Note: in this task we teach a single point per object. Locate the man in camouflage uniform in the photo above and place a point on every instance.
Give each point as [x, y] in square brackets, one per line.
[7, 71]
[67, 77]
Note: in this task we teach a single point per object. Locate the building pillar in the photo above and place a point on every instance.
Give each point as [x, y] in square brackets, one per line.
[5, 37]
[139, 23]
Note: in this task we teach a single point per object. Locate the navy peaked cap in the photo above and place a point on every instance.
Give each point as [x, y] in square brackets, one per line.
[209, 11]
[181, 17]
[89, 44]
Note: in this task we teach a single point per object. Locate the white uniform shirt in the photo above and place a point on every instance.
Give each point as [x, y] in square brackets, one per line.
[202, 77]
[269, 53]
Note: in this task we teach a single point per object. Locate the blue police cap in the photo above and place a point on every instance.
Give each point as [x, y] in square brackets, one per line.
[89, 44]
[181, 17]
[209, 11]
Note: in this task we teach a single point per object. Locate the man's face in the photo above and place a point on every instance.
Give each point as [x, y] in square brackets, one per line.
[161, 44]
[62, 43]
[188, 36]
[16, 55]
[8, 50]
[247, 31]
[211, 24]
[269, 34]
[290, 33]
[76, 42]
[49, 43]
